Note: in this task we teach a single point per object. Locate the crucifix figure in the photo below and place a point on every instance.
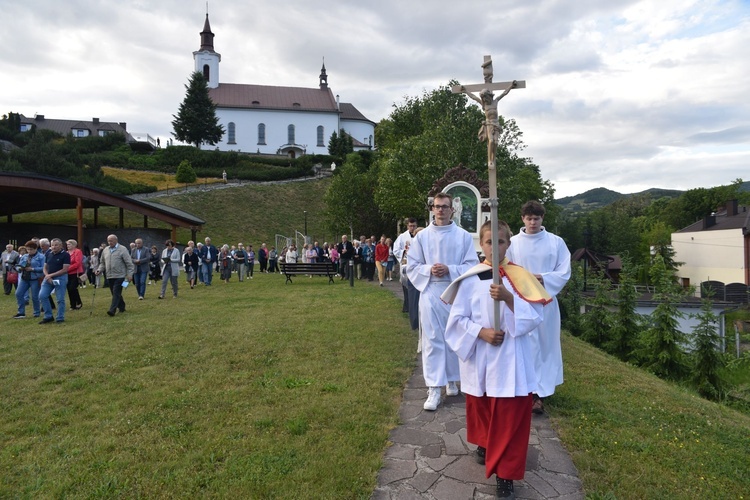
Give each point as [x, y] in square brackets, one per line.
[490, 132]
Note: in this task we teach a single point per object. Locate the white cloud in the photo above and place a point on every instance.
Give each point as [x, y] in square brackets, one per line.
[626, 94]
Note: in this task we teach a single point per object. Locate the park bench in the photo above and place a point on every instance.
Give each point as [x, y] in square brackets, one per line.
[312, 269]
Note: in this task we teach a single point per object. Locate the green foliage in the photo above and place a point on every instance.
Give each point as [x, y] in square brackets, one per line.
[708, 362]
[623, 339]
[662, 343]
[196, 121]
[10, 126]
[340, 145]
[427, 135]
[571, 300]
[185, 173]
[350, 202]
[598, 320]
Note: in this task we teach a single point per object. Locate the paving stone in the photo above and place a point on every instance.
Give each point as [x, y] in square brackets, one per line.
[400, 452]
[425, 416]
[555, 458]
[395, 470]
[563, 484]
[526, 492]
[423, 481]
[540, 485]
[450, 489]
[453, 444]
[454, 426]
[532, 458]
[380, 494]
[466, 469]
[431, 451]
[440, 463]
[413, 436]
[414, 394]
[405, 492]
[407, 412]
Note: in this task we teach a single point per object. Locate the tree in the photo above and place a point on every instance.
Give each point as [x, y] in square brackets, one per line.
[662, 344]
[598, 321]
[185, 173]
[571, 299]
[707, 361]
[196, 121]
[427, 135]
[627, 322]
[340, 145]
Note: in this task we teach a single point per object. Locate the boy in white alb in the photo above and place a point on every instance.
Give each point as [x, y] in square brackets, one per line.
[437, 255]
[548, 258]
[497, 366]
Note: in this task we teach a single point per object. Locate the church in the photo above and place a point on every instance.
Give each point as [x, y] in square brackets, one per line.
[288, 121]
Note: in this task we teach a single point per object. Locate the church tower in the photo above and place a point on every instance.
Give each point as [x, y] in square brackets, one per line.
[206, 58]
[323, 77]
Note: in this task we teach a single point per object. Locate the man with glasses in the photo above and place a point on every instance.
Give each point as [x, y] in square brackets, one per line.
[438, 255]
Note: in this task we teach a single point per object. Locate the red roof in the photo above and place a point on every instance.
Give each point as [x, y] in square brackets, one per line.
[235, 95]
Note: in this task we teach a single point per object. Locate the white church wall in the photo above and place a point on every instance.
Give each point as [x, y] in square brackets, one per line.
[362, 131]
[710, 255]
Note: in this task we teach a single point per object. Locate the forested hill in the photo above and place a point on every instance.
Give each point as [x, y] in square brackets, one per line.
[597, 198]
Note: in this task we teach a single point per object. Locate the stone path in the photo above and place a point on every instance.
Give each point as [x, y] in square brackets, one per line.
[429, 456]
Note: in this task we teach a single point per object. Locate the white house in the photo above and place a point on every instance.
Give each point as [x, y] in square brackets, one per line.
[716, 248]
[268, 119]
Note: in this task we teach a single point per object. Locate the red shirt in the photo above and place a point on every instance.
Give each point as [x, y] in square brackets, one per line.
[381, 252]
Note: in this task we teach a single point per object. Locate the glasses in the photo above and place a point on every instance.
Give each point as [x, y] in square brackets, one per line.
[441, 207]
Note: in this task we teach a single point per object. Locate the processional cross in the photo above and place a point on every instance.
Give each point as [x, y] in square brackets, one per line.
[490, 132]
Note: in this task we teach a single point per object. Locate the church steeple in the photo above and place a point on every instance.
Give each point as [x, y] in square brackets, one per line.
[206, 58]
[207, 37]
[323, 76]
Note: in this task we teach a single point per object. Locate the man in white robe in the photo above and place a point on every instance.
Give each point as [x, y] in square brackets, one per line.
[548, 258]
[437, 255]
[401, 243]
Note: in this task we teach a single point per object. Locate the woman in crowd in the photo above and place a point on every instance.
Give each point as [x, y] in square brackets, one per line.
[381, 259]
[391, 259]
[75, 270]
[333, 254]
[292, 255]
[240, 260]
[170, 271]
[190, 260]
[273, 259]
[311, 254]
[95, 279]
[250, 260]
[154, 265]
[225, 263]
[30, 270]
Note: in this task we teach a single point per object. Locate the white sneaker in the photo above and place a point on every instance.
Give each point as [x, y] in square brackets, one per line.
[433, 399]
[451, 389]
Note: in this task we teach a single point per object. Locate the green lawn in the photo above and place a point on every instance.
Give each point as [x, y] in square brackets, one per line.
[246, 390]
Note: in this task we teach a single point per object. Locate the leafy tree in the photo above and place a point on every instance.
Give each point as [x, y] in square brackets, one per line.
[662, 343]
[10, 126]
[627, 322]
[427, 135]
[708, 363]
[185, 173]
[349, 200]
[196, 121]
[340, 145]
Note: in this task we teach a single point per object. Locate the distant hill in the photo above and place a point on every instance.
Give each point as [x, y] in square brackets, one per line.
[597, 198]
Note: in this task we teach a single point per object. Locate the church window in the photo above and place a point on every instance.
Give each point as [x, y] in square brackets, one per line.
[290, 134]
[262, 133]
[207, 72]
[321, 134]
[230, 133]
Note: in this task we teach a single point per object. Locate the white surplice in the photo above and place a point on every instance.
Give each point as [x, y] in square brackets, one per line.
[503, 371]
[546, 254]
[452, 246]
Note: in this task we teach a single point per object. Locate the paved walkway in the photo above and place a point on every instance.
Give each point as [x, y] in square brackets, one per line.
[429, 456]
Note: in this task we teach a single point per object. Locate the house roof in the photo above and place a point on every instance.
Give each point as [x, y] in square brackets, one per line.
[731, 216]
[248, 96]
[64, 127]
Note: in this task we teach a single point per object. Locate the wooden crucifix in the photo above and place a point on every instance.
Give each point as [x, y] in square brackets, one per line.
[490, 132]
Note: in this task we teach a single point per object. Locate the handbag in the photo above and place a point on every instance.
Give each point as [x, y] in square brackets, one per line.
[12, 277]
[26, 275]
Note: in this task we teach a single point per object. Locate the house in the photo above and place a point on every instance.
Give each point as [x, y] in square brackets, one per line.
[716, 248]
[268, 119]
[76, 128]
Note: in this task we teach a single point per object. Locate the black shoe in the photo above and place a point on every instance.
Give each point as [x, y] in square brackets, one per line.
[59, 321]
[505, 489]
[111, 313]
[19, 316]
[46, 320]
[480, 454]
[122, 311]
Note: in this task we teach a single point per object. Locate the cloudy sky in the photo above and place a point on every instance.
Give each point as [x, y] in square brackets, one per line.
[622, 94]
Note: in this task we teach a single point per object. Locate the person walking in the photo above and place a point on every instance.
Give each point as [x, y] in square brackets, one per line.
[118, 268]
[141, 257]
[55, 281]
[170, 268]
